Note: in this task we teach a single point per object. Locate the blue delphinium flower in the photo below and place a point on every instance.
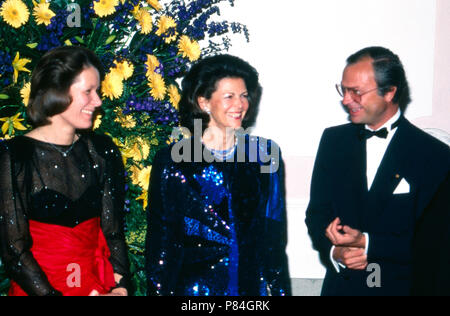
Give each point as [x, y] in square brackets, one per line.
[159, 112]
[55, 31]
[6, 68]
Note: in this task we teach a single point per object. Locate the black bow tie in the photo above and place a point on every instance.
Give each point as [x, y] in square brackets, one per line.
[382, 133]
[366, 134]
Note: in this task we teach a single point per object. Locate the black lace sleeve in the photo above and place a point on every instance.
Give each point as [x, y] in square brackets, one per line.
[15, 238]
[113, 207]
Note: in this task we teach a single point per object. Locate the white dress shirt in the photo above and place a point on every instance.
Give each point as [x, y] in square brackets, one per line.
[375, 149]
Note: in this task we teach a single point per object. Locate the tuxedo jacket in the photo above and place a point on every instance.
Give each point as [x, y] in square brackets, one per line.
[339, 189]
[431, 255]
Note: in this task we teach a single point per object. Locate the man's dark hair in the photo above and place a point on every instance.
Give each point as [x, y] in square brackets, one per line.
[202, 80]
[389, 72]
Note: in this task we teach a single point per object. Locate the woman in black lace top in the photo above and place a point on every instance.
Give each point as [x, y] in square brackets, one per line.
[62, 190]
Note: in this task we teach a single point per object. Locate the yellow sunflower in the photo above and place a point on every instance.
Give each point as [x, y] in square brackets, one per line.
[157, 86]
[155, 4]
[133, 152]
[188, 48]
[124, 68]
[165, 24]
[105, 7]
[145, 20]
[25, 93]
[42, 13]
[174, 96]
[112, 85]
[141, 176]
[15, 13]
[145, 147]
[134, 174]
[137, 149]
[152, 63]
[126, 121]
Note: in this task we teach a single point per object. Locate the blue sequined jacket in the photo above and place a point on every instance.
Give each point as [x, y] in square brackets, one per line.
[217, 228]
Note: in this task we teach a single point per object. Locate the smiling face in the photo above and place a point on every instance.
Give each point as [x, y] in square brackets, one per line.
[85, 100]
[228, 104]
[372, 109]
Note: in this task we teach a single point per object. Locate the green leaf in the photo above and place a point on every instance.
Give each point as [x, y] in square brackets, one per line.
[4, 97]
[110, 39]
[32, 45]
[79, 39]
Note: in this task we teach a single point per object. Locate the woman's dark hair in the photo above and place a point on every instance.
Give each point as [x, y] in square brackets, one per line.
[389, 72]
[202, 80]
[55, 72]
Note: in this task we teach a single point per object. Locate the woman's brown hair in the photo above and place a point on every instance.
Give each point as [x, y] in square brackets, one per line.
[55, 72]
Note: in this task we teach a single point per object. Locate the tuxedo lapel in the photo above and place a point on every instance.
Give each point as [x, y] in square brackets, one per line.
[359, 163]
[354, 178]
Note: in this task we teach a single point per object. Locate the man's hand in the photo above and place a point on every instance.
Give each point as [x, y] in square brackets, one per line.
[345, 236]
[349, 245]
[352, 258]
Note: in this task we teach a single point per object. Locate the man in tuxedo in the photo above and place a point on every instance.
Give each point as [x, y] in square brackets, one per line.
[372, 180]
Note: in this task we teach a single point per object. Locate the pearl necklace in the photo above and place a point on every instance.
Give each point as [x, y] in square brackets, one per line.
[226, 154]
[223, 154]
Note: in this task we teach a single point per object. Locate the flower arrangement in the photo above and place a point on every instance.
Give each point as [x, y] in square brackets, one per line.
[145, 46]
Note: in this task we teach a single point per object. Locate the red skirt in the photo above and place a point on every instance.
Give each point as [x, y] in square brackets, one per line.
[75, 260]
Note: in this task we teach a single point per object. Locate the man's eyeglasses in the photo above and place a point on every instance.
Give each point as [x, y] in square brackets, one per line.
[355, 94]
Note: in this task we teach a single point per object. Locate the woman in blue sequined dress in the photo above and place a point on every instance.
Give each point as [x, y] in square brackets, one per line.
[216, 216]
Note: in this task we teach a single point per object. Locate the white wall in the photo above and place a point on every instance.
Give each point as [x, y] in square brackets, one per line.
[299, 47]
